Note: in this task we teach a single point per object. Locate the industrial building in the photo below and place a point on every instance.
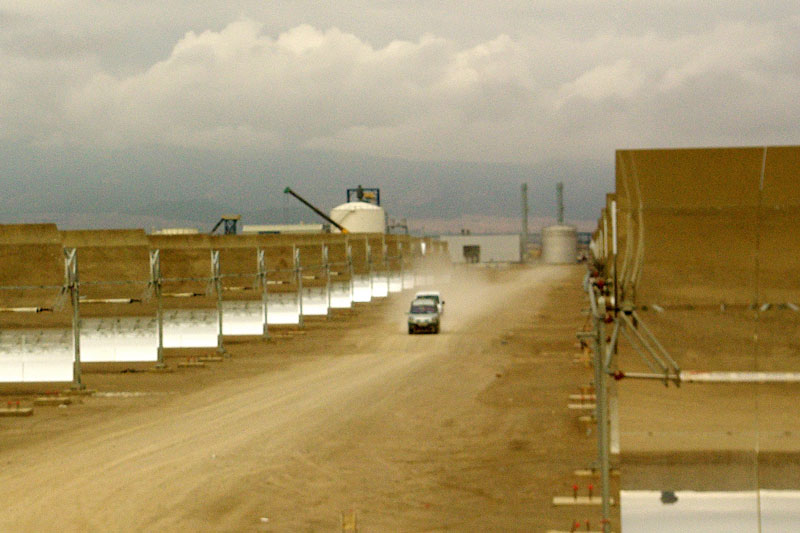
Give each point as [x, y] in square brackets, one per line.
[503, 248]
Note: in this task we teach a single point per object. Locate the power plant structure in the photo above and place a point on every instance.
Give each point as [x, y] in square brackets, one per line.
[560, 241]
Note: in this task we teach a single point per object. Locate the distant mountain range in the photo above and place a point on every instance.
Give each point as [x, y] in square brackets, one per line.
[157, 186]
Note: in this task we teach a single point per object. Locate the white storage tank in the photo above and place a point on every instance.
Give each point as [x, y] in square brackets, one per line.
[559, 245]
[360, 217]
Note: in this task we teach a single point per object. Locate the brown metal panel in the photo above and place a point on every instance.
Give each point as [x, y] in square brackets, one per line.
[311, 262]
[359, 247]
[690, 217]
[30, 255]
[779, 238]
[185, 262]
[377, 256]
[338, 261]
[106, 256]
[279, 261]
[781, 186]
[689, 178]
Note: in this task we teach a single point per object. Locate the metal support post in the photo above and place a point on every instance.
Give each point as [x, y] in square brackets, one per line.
[351, 270]
[299, 272]
[602, 358]
[327, 267]
[402, 267]
[262, 277]
[601, 378]
[155, 281]
[369, 268]
[386, 265]
[73, 286]
[215, 276]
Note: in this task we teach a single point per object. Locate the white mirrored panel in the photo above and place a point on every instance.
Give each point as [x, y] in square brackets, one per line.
[119, 339]
[28, 356]
[380, 285]
[408, 280]
[395, 282]
[362, 289]
[243, 318]
[283, 308]
[190, 328]
[341, 297]
[712, 512]
[315, 301]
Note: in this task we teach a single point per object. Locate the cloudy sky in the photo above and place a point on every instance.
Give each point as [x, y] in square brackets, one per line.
[151, 114]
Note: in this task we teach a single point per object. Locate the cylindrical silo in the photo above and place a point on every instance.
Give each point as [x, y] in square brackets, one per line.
[360, 217]
[559, 244]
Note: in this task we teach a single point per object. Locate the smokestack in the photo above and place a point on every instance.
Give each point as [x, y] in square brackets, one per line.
[560, 200]
[523, 245]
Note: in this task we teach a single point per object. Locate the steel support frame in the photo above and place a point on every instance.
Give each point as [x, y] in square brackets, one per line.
[369, 267]
[327, 269]
[156, 283]
[602, 352]
[262, 278]
[351, 270]
[72, 285]
[216, 279]
[298, 268]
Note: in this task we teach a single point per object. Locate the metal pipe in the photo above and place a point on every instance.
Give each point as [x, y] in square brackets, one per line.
[560, 202]
[288, 190]
[644, 342]
[644, 375]
[647, 361]
[657, 343]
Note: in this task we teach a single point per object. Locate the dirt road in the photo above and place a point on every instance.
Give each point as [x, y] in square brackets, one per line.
[462, 431]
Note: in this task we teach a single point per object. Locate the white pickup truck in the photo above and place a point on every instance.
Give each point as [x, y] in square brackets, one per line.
[423, 316]
[432, 295]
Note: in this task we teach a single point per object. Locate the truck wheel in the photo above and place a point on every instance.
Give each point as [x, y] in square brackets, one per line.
[410, 330]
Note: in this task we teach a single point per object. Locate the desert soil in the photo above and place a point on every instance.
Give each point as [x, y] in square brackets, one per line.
[467, 430]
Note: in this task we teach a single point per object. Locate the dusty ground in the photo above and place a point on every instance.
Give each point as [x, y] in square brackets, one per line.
[463, 431]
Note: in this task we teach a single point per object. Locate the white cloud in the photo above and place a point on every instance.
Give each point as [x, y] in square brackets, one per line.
[521, 96]
[735, 48]
[619, 79]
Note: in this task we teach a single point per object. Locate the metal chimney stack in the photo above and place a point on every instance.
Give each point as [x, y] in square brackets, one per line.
[560, 200]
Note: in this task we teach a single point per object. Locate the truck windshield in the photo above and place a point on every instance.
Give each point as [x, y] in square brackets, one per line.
[423, 309]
